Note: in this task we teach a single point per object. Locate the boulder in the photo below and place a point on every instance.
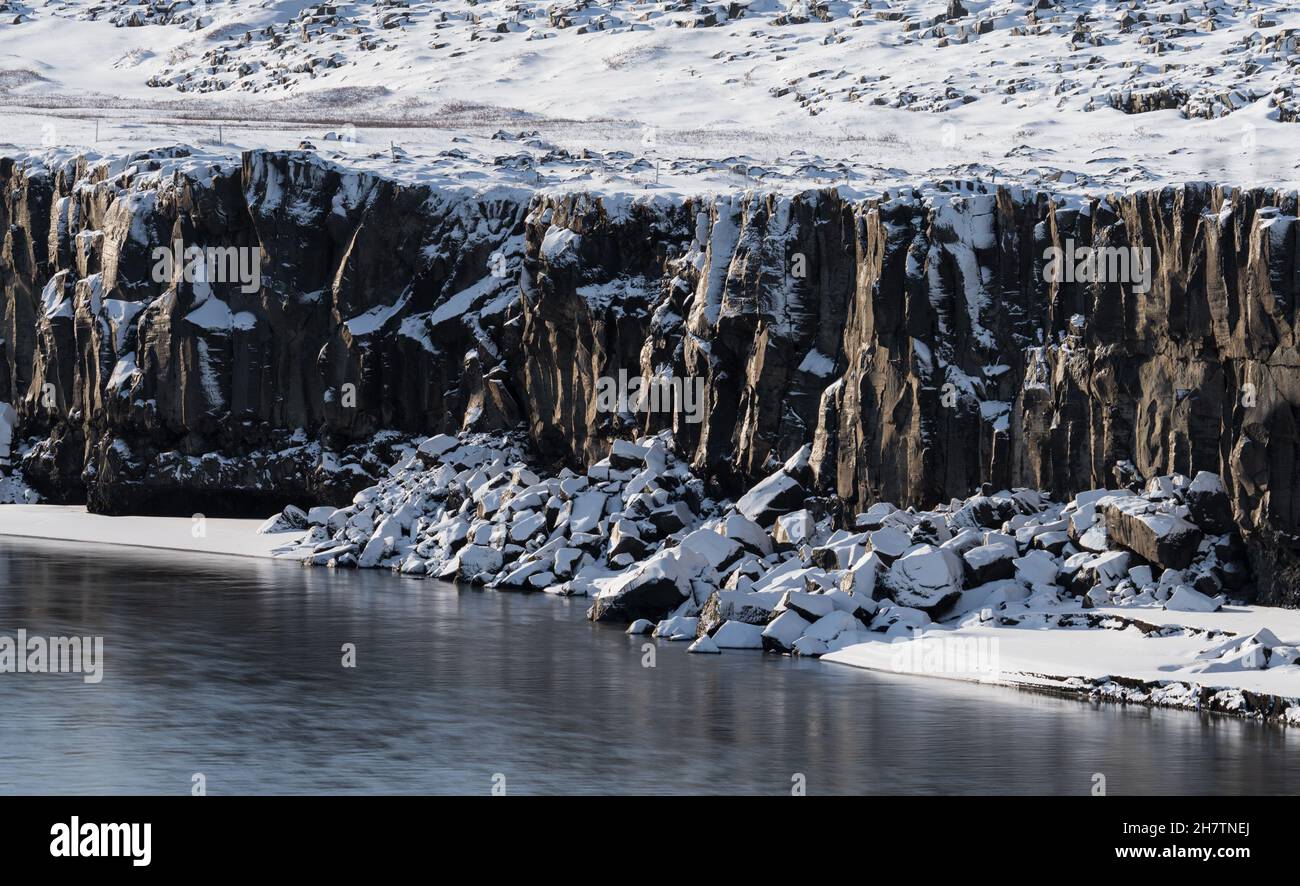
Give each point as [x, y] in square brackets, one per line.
[748, 533]
[625, 538]
[794, 528]
[434, 448]
[784, 630]
[291, 519]
[320, 515]
[832, 625]
[990, 562]
[588, 508]
[626, 456]
[704, 644]
[1208, 504]
[889, 543]
[1154, 534]
[679, 627]
[748, 608]
[738, 635]
[778, 494]
[861, 577]
[650, 590]
[477, 563]
[526, 525]
[1038, 569]
[809, 606]
[927, 578]
[718, 550]
[1184, 599]
[671, 518]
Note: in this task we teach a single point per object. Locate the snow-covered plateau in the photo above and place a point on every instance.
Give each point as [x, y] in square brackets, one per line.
[675, 96]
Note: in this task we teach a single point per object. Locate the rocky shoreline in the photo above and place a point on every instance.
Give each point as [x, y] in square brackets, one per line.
[780, 570]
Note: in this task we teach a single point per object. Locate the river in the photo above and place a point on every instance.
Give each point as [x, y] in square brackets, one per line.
[232, 668]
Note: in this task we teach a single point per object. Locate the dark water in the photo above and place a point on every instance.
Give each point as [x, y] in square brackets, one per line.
[232, 668]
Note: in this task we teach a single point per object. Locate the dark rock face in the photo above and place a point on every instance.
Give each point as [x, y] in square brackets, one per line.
[1198, 373]
[914, 340]
[173, 396]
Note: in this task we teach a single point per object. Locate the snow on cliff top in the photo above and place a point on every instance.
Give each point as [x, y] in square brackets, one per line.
[680, 95]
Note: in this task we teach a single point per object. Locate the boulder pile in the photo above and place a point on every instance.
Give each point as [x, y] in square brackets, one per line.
[780, 569]
[469, 508]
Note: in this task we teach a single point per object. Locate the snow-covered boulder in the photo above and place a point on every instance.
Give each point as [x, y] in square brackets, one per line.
[625, 538]
[432, 450]
[809, 606]
[1141, 576]
[738, 635]
[926, 578]
[679, 627]
[719, 550]
[810, 647]
[889, 543]
[748, 533]
[625, 455]
[291, 519]
[830, 626]
[476, 563]
[860, 607]
[861, 577]
[671, 518]
[990, 562]
[526, 525]
[320, 515]
[779, 494]
[704, 644]
[899, 621]
[1184, 599]
[984, 512]
[784, 630]
[1152, 532]
[1208, 504]
[649, 590]
[795, 528]
[569, 560]
[588, 508]
[749, 608]
[1038, 569]
[381, 544]
[1100, 574]
[1251, 653]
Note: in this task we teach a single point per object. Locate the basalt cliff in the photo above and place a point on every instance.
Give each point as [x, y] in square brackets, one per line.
[913, 338]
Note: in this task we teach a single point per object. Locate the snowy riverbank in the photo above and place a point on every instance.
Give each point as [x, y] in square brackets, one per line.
[73, 524]
[1128, 594]
[1117, 595]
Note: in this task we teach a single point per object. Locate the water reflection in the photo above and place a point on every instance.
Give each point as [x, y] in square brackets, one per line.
[233, 668]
